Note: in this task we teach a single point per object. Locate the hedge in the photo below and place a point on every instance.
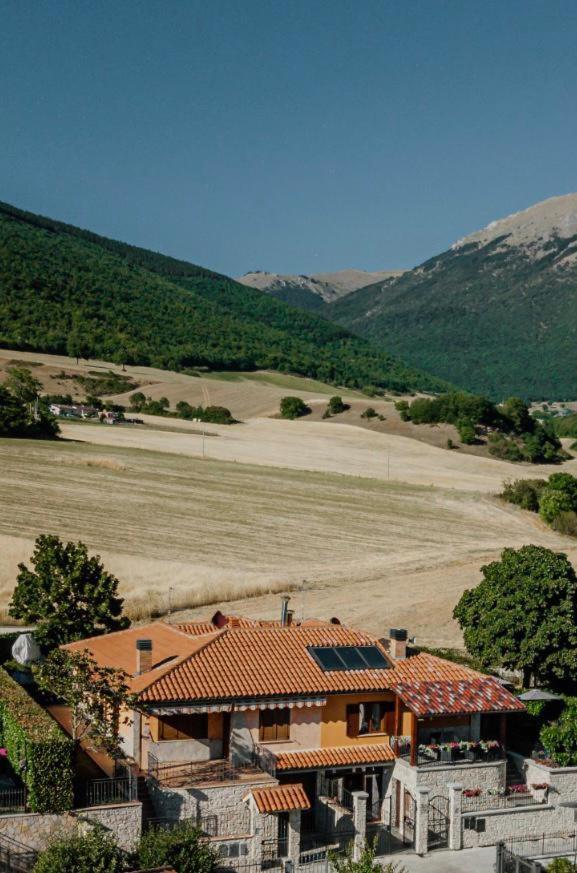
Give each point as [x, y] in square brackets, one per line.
[38, 749]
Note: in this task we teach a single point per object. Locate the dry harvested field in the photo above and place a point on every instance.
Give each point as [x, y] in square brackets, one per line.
[374, 552]
[387, 530]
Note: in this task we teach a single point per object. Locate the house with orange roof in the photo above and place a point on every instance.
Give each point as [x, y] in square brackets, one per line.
[283, 734]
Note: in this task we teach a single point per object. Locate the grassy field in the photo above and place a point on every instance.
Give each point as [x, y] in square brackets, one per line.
[374, 552]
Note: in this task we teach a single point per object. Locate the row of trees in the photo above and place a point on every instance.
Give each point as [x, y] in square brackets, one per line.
[139, 402]
[515, 436]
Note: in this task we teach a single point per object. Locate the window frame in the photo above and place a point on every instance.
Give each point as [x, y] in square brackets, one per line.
[179, 733]
[383, 725]
[278, 730]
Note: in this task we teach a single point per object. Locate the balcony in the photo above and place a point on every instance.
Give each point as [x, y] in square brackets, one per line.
[184, 774]
[460, 752]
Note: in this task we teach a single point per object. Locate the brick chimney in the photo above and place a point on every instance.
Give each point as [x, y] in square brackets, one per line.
[143, 656]
[398, 644]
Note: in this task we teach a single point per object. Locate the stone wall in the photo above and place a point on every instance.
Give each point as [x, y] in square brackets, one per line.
[527, 822]
[437, 778]
[226, 801]
[36, 831]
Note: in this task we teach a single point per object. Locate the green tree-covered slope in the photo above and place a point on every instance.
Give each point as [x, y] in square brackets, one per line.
[63, 289]
[497, 315]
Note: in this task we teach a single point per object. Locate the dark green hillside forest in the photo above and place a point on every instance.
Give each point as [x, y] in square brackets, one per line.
[492, 319]
[66, 290]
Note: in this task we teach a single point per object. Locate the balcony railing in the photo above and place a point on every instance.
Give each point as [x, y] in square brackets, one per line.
[13, 800]
[441, 754]
[106, 792]
[181, 774]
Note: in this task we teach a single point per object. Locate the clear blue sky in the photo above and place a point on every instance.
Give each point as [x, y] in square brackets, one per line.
[287, 135]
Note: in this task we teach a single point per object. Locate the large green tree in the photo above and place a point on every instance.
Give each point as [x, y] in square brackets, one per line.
[68, 595]
[523, 616]
[95, 696]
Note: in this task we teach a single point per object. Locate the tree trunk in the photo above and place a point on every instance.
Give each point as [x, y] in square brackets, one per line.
[527, 674]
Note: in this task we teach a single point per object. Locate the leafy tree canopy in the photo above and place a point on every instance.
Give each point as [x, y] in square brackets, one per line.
[93, 852]
[523, 616]
[560, 738]
[94, 695]
[67, 594]
[293, 407]
[181, 847]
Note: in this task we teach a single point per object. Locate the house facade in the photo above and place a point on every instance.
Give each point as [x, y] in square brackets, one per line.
[284, 737]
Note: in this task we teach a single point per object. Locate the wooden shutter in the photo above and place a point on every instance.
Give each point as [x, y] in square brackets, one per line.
[353, 716]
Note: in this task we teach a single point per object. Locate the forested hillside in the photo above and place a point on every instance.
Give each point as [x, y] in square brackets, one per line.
[66, 290]
[497, 313]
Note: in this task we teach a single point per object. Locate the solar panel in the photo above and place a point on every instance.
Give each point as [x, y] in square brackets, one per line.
[373, 657]
[327, 658]
[352, 658]
[331, 658]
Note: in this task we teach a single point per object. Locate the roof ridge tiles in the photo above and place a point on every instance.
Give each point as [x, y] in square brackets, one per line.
[212, 638]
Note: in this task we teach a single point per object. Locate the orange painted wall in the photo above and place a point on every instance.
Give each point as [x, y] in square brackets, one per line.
[334, 720]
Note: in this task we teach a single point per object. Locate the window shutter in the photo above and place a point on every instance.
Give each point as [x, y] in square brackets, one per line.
[353, 716]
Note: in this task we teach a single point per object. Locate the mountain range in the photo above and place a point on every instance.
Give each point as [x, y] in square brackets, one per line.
[496, 313]
[67, 290]
[311, 292]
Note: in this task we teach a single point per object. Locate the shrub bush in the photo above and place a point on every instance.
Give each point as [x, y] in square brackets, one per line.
[565, 523]
[181, 847]
[336, 405]
[37, 748]
[293, 407]
[467, 433]
[560, 738]
[369, 412]
[552, 503]
[93, 852]
[524, 493]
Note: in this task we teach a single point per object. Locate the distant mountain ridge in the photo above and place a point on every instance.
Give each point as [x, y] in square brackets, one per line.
[496, 313]
[311, 292]
[67, 290]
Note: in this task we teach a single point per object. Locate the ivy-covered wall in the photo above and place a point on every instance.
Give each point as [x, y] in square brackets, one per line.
[38, 749]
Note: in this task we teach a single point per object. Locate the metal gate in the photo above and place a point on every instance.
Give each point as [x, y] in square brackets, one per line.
[438, 825]
[409, 814]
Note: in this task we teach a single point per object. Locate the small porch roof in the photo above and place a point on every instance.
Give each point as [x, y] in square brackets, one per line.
[335, 756]
[279, 798]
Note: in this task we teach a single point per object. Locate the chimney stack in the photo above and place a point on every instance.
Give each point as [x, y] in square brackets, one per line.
[143, 656]
[284, 610]
[289, 616]
[398, 644]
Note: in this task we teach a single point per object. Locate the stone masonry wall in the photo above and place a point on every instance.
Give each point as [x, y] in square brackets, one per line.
[437, 779]
[37, 831]
[503, 824]
[225, 801]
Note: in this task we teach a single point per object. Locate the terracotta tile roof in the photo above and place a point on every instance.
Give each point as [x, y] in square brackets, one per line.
[457, 697]
[197, 662]
[280, 798]
[335, 756]
[169, 647]
[265, 662]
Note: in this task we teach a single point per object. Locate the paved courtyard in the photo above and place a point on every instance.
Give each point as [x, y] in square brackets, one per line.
[465, 861]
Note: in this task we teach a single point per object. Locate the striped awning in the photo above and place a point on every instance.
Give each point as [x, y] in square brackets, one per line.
[240, 706]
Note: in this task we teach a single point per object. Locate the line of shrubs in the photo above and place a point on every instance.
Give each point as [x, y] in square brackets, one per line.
[182, 848]
[213, 414]
[555, 499]
[513, 433]
[39, 752]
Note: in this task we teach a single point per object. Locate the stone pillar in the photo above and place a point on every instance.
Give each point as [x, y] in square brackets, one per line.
[422, 821]
[257, 831]
[294, 836]
[455, 809]
[360, 799]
